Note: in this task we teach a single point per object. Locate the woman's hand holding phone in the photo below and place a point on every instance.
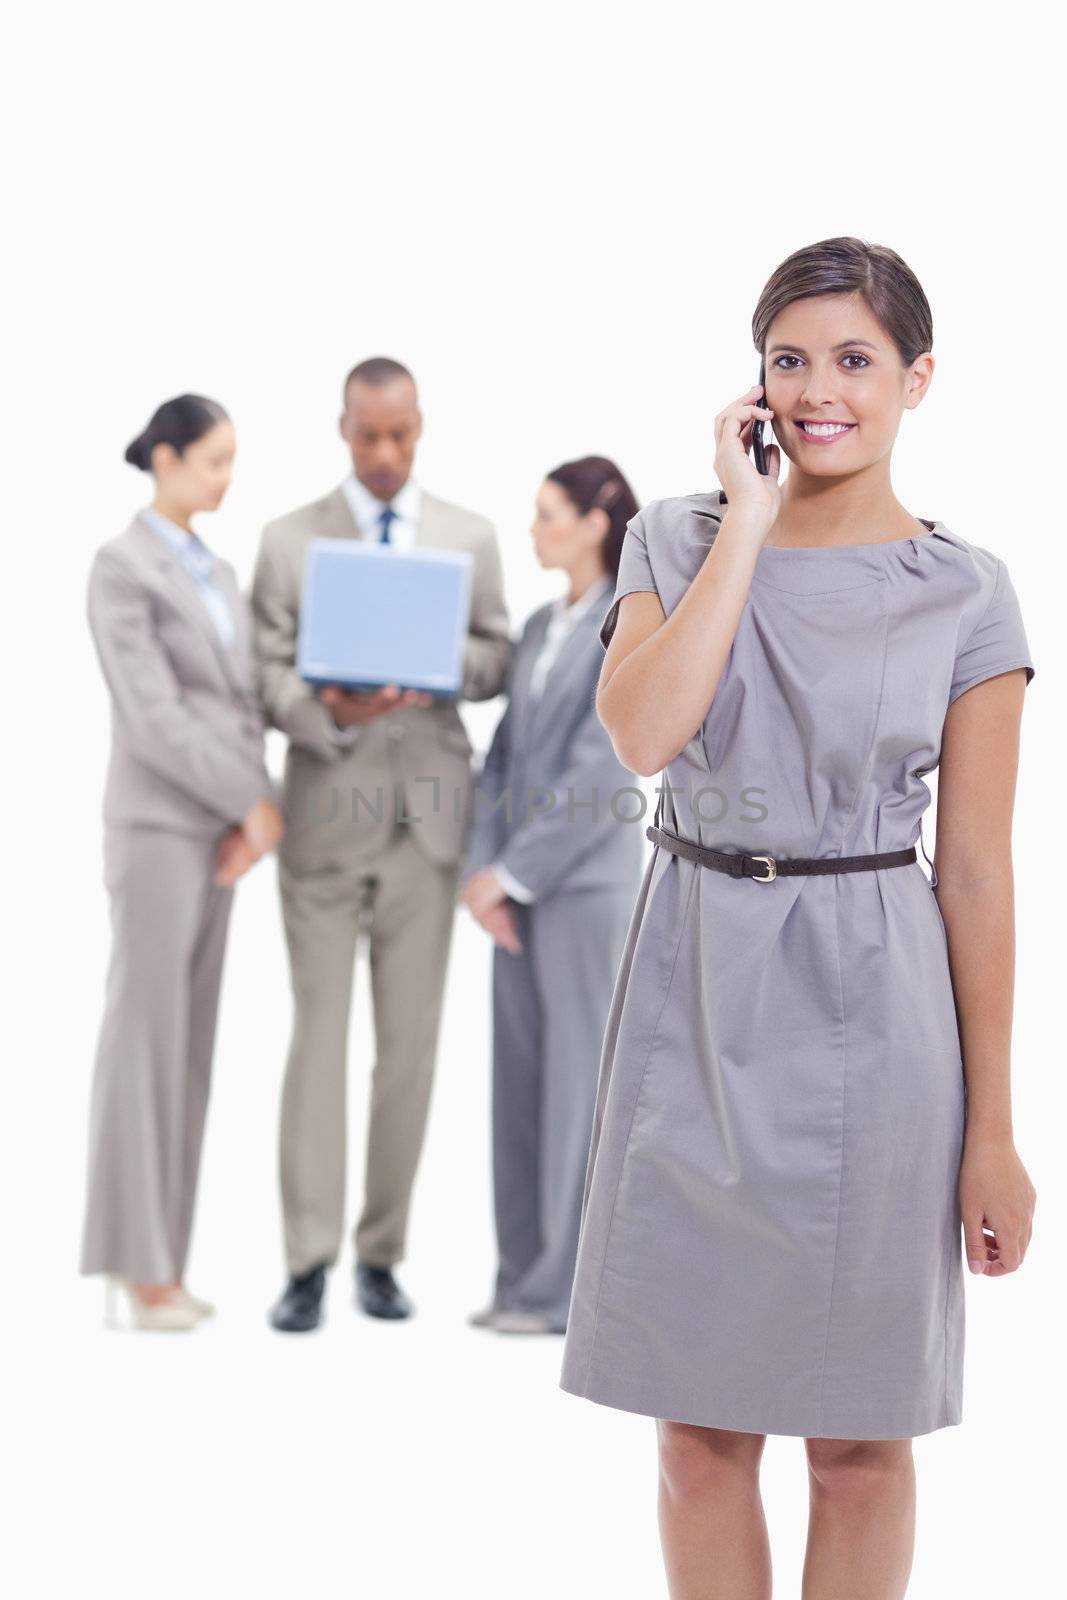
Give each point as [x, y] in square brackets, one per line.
[745, 487]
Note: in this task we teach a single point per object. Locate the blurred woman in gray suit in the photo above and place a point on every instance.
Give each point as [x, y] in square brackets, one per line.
[188, 808]
[552, 871]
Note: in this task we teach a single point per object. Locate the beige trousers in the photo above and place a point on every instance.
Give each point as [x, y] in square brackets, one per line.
[407, 906]
[153, 1061]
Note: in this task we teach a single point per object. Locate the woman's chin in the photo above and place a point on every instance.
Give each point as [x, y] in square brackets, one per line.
[830, 465]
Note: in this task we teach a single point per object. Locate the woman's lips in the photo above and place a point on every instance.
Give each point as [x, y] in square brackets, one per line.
[824, 432]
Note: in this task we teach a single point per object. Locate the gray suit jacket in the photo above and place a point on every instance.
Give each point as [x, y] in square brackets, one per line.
[340, 797]
[552, 759]
[186, 728]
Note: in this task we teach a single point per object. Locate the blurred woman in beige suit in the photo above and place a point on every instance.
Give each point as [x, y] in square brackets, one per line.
[188, 808]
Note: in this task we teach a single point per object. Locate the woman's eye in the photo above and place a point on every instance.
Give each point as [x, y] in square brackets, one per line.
[855, 357]
[785, 363]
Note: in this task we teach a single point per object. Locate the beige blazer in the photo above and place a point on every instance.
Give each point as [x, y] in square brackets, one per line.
[186, 727]
[341, 797]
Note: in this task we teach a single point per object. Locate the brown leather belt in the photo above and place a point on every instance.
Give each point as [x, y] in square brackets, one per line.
[764, 869]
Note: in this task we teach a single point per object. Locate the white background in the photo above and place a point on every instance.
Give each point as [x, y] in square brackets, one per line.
[561, 219]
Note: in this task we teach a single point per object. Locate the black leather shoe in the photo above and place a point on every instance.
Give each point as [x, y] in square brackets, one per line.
[300, 1307]
[379, 1294]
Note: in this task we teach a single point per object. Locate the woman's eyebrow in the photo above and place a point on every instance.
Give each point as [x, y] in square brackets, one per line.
[796, 349]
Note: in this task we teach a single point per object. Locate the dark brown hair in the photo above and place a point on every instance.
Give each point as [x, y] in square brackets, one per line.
[593, 481]
[179, 422]
[885, 283]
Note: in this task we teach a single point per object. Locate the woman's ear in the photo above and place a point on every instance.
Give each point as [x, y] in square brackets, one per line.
[162, 459]
[598, 522]
[922, 371]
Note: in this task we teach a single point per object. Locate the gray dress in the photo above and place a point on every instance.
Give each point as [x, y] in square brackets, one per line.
[770, 1235]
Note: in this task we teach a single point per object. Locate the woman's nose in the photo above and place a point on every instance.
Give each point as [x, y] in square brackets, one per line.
[819, 388]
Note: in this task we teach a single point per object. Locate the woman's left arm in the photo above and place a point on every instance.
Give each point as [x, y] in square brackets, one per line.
[975, 893]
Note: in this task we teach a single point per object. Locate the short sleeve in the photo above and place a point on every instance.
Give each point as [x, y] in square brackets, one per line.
[635, 573]
[996, 643]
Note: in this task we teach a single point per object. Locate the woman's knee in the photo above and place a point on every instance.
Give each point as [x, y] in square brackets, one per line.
[857, 1469]
[696, 1461]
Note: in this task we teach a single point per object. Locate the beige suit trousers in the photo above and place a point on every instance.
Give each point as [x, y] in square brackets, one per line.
[406, 904]
[169, 922]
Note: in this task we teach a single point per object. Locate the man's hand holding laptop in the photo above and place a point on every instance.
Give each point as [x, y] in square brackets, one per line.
[352, 706]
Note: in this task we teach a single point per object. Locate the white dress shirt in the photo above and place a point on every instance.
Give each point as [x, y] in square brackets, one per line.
[561, 622]
[367, 509]
[199, 563]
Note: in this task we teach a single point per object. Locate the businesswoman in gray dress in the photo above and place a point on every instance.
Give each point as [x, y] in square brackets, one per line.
[188, 808]
[552, 871]
[806, 1098]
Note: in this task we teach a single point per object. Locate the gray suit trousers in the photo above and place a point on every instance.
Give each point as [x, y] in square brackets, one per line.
[153, 1064]
[406, 904]
[550, 1006]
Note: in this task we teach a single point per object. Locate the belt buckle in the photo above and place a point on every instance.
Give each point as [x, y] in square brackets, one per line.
[772, 872]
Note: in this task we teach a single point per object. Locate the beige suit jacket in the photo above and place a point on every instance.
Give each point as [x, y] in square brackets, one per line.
[341, 797]
[187, 730]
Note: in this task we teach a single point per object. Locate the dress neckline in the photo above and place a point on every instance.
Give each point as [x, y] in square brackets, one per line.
[828, 549]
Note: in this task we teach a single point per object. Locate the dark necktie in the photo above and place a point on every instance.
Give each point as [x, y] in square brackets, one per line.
[385, 517]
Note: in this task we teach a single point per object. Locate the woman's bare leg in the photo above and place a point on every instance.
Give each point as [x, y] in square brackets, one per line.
[861, 1533]
[711, 1522]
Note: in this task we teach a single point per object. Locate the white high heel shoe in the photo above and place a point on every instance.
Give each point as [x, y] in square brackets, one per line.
[521, 1322]
[173, 1315]
[203, 1308]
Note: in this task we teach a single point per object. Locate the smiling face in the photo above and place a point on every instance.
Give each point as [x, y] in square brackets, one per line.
[837, 385]
[197, 479]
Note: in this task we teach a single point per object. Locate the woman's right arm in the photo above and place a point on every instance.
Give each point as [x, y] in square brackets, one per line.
[155, 721]
[660, 674]
[487, 827]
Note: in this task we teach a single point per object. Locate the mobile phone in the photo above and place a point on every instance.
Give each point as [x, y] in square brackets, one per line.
[759, 454]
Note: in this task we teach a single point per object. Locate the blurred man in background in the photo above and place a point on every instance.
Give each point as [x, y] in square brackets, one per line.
[350, 863]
